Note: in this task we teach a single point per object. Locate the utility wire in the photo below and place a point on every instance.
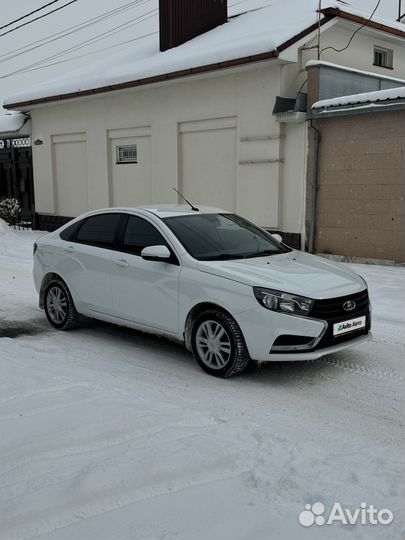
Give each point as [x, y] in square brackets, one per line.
[108, 33]
[36, 66]
[73, 29]
[81, 55]
[28, 14]
[37, 18]
[354, 33]
[68, 31]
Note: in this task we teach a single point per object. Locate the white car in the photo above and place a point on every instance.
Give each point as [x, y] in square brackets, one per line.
[227, 289]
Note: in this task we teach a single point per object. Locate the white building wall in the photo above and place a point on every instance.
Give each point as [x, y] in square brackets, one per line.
[213, 137]
[359, 55]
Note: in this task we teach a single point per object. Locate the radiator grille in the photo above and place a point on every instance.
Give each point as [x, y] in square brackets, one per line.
[332, 308]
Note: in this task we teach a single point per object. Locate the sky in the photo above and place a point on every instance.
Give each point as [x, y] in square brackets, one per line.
[120, 21]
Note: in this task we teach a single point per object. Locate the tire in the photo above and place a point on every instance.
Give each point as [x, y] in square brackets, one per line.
[218, 344]
[59, 306]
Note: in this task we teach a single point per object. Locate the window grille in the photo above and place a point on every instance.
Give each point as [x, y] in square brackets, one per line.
[127, 154]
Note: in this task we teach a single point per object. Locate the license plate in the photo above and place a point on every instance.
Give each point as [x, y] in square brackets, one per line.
[349, 326]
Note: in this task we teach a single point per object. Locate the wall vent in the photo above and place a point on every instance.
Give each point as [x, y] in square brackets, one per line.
[127, 153]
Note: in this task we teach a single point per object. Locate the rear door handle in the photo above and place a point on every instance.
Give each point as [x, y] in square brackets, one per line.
[121, 262]
[69, 249]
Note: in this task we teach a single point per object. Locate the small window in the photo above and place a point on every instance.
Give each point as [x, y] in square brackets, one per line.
[127, 154]
[99, 230]
[70, 232]
[383, 57]
[140, 234]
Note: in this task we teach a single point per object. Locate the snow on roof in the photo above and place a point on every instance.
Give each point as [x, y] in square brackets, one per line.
[251, 33]
[315, 63]
[367, 6]
[248, 34]
[11, 122]
[366, 97]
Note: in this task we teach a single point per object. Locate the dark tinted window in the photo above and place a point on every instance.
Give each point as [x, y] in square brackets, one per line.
[70, 232]
[140, 234]
[99, 230]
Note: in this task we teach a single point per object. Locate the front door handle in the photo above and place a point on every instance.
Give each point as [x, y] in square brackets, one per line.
[121, 262]
[69, 249]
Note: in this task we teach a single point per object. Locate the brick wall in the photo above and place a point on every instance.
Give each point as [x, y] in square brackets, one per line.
[361, 207]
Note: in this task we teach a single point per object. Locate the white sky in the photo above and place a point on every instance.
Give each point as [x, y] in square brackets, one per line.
[80, 12]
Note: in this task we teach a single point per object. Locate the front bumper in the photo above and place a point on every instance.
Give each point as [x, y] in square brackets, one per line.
[262, 327]
[318, 353]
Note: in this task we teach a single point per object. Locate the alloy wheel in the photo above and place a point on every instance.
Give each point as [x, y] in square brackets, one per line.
[213, 344]
[57, 305]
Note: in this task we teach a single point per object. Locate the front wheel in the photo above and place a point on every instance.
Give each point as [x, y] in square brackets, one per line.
[59, 307]
[218, 344]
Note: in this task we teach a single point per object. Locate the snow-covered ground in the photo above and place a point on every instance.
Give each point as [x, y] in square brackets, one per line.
[108, 433]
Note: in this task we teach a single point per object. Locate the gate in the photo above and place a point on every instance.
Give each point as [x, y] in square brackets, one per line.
[16, 175]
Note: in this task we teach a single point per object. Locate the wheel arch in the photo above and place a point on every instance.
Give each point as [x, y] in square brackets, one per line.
[194, 312]
[46, 281]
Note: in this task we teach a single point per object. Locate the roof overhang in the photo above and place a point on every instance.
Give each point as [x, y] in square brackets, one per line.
[337, 12]
[329, 14]
[21, 127]
[25, 105]
[358, 108]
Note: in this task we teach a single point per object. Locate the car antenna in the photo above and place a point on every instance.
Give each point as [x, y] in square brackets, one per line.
[188, 202]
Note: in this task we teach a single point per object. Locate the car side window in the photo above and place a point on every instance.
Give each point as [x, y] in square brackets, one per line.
[139, 234]
[99, 230]
[70, 232]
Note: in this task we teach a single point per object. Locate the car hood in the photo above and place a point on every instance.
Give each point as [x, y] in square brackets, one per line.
[294, 272]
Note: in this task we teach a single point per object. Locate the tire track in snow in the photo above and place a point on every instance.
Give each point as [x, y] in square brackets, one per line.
[44, 391]
[363, 370]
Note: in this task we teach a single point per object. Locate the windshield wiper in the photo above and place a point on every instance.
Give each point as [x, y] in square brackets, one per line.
[225, 257]
[265, 253]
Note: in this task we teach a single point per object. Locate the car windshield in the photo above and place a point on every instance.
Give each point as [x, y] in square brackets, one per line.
[214, 237]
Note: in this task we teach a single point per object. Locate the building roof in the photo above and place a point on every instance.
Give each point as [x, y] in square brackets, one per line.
[322, 64]
[390, 94]
[11, 124]
[250, 37]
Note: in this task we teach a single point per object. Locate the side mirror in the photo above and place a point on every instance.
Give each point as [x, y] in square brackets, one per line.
[278, 238]
[155, 253]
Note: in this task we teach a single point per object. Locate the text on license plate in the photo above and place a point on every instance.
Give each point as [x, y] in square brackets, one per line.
[348, 326]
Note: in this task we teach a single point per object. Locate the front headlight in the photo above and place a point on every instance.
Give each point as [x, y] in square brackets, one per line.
[364, 281]
[283, 302]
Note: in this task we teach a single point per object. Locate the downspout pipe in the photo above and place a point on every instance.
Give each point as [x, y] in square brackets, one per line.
[315, 186]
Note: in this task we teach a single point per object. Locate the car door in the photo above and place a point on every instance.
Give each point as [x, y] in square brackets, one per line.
[87, 262]
[144, 292]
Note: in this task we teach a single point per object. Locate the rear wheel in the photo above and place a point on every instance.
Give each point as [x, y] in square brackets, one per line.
[218, 344]
[59, 307]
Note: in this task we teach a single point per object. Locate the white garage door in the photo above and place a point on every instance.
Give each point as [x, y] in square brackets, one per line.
[130, 168]
[70, 174]
[208, 162]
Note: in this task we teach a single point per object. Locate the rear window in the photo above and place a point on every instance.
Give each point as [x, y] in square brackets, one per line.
[99, 230]
[70, 232]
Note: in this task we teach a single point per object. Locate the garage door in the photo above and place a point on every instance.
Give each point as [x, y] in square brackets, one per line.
[208, 162]
[130, 167]
[70, 174]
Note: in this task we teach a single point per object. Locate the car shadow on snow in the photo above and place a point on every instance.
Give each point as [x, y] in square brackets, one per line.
[16, 329]
[164, 350]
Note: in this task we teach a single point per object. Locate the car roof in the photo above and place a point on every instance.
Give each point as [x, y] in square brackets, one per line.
[172, 210]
